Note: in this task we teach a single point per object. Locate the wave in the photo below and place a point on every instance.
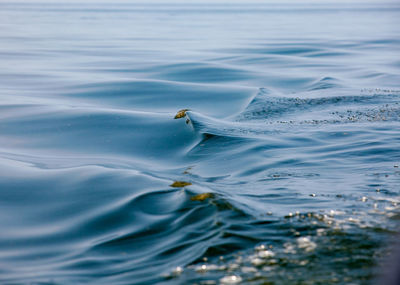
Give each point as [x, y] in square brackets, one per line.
[162, 96]
[266, 114]
[265, 106]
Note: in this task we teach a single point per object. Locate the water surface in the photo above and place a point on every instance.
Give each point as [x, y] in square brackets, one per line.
[292, 137]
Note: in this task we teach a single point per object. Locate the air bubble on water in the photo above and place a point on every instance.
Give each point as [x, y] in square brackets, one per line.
[272, 261]
[233, 267]
[266, 254]
[354, 220]
[289, 248]
[306, 244]
[303, 262]
[248, 269]
[231, 279]
[201, 268]
[257, 261]
[177, 271]
[260, 247]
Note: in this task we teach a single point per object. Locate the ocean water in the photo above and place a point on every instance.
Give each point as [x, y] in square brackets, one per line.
[283, 170]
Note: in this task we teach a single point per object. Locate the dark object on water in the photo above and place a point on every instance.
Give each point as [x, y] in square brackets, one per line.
[181, 113]
[201, 197]
[180, 184]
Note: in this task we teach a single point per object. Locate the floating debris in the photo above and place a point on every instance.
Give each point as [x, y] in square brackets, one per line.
[201, 197]
[181, 113]
[180, 184]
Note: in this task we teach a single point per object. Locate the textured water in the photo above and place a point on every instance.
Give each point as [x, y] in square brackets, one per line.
[284, 170]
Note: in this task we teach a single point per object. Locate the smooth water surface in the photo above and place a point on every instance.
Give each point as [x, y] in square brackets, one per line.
[285, 170]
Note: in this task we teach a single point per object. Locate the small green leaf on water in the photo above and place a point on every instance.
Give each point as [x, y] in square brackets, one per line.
[181, 113]
[201, 197]
[180, 184]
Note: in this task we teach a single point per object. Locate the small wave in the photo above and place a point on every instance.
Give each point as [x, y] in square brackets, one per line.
[153, 235]
[215, 127]
[265, 106]
[202, 72]
[164, 96]
[97, 132]
[261, 117]
[325, 83]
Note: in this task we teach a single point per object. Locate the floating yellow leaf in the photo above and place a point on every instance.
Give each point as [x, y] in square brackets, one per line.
[181, 113]
[180, 184]
[201, 197]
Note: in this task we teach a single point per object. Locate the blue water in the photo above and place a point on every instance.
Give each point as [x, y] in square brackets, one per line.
[292, 136]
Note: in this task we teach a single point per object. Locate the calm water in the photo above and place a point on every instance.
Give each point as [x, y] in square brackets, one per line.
[292, 138]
